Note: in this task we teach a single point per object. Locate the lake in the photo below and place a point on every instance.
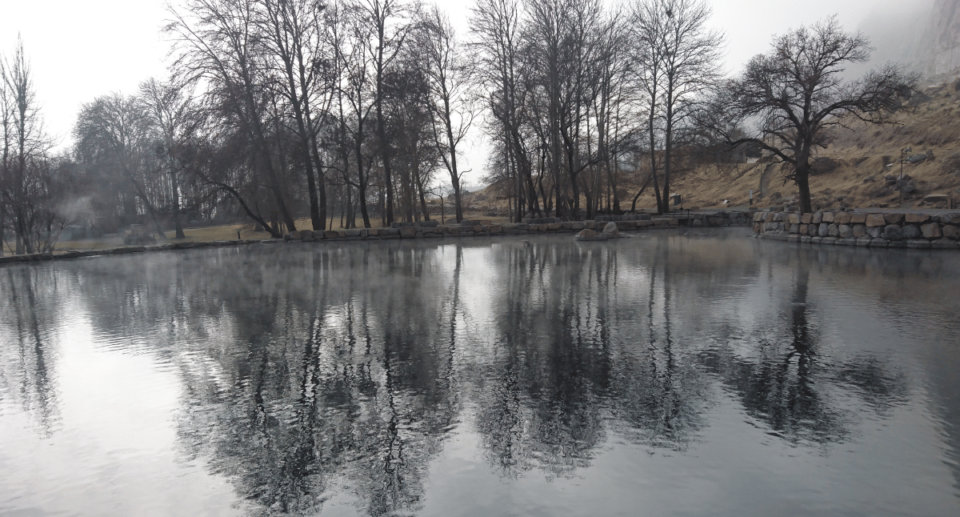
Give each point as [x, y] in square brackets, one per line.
[670, 373]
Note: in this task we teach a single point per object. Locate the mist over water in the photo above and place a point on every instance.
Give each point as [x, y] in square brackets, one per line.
[697, 374]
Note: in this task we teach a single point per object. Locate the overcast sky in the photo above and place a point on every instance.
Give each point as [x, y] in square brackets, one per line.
[81, 49]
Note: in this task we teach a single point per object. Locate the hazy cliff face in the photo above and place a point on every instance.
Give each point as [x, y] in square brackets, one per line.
[922, 35]
[943, 49]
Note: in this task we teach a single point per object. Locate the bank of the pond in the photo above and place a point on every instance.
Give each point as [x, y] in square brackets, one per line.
[914, 230]
[434, 230]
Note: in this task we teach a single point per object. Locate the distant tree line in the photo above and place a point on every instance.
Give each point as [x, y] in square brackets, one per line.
[276, 110]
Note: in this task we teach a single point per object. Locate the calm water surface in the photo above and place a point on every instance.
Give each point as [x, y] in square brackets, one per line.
[666, 374]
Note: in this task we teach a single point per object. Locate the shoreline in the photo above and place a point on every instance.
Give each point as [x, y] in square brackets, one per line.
[407, 231]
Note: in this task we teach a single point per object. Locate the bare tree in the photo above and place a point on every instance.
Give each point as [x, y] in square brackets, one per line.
[115, 132]
[175, 117]
[27, 187]
[7, 116]
[581, 72]
[355, 101]
[218, 44]
[544, 34]
[647, 23]
[792, 96]
[448, 73]
[496, 26]
[296, 36]
[389, 29]
[682, 62]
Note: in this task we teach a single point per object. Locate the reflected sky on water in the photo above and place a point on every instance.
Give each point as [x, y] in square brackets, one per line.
[704, 373]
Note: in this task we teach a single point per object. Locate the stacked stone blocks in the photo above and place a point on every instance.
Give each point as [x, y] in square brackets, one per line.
[915, 230]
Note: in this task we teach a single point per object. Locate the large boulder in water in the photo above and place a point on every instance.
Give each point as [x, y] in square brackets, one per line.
[589, 235]
[610, 231]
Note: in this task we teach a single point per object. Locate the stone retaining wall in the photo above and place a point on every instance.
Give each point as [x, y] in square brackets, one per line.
[875, 230]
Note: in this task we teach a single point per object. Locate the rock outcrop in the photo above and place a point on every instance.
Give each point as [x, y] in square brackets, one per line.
[610, 231]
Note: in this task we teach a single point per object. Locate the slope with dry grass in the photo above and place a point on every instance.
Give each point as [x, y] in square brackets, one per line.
[857, 168]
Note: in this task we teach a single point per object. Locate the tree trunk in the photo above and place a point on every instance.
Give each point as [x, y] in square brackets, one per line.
[423, 200]
[554, 119]
[315, 220]
[653, 146]
[803, 185]
[454, 172]
[653, 168]
[633, 206]
[668, 148]
[458, 200]
[382, 132]
[361, 180]
[177, 224]
[321, 188]
[573, 164]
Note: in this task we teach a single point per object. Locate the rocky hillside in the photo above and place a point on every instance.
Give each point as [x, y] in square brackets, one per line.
[861, 168]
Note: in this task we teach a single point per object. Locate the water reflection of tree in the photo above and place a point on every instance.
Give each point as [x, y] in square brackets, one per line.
[28, 337]
[347, 384]
[801, 395]
[661, 393]
[539, 400]
[584, 352]
[343, 369]
[568, 330]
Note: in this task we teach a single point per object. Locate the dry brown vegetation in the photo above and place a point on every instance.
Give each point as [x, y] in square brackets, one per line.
[851, 171]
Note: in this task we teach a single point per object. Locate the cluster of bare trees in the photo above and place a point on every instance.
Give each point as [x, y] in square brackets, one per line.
[281, 109]
[276, 109]
[577, 91]
[348, 106]
[132, 151]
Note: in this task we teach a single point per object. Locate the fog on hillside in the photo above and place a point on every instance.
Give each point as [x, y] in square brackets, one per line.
[896, 30]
